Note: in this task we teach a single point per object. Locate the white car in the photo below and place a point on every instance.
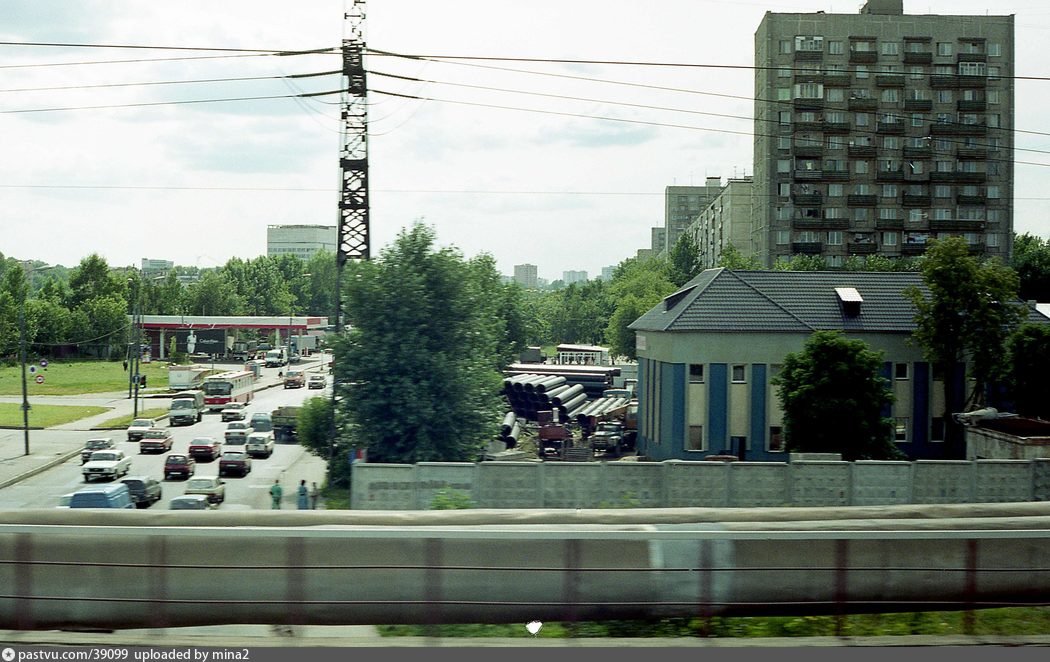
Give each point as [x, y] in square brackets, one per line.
[233, 412]
[138, 428]
[260, 444]
[111, 464]
[237, 432]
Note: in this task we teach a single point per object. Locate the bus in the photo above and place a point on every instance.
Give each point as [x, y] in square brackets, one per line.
[224, 388]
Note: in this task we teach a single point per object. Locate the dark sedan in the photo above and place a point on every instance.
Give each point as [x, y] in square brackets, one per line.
[236, 463]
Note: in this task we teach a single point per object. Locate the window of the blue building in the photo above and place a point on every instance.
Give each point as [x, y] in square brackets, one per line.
[776, 439]
[900, 428]
[696, 373]
[738, 373]
[900, 370]
[696, 438]
[937, 428]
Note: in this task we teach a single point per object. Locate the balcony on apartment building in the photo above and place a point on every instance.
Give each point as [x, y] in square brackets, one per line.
[807, 198]
[958, 129]
[968, 176]
[915, 200]
[971, 57]
[966, 199]
[860, 150]
[807, 247]
[924, 105]
[971, 105]
[913, 248]
[862, 104]
[977, 153]
[836, 78]
[889, 223]
[809, 56]
[862, 248]
[918, 57]
[889, 175]
[863, 57]
[956, 224]
[918, 152]
[889, 80]
[860, 200]
[894, 127]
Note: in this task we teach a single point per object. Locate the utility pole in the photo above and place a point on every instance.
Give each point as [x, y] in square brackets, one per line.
[353, 232]
[22, 353]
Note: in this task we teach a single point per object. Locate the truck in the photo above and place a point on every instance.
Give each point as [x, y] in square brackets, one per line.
[276, 358]
[285, 420]
[186, 407]
[608, 437]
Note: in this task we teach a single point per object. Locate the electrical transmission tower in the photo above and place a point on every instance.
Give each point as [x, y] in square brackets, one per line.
[352, 241]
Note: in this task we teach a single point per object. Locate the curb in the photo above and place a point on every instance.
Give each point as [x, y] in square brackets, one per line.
[44, 467]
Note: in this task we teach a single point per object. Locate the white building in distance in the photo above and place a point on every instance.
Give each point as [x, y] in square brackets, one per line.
[303, 241]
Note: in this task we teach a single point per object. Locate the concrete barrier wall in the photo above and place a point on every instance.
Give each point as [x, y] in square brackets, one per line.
[684, 484]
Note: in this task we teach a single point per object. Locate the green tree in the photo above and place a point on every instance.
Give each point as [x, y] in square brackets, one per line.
[683, 261]
[833, 396]
[1031, 261]
[313, 425]
[320, 294]
[415, 370]
[1028, 364]
[213, 294]
[733, 259]
[93, 279]
[802, 262]
[965, 320]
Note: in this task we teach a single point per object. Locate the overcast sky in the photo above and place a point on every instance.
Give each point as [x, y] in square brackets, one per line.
[198, 183]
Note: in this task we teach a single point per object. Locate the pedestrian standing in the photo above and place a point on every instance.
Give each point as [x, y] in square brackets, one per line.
[314, 494]
[276, 492]
[304, 494]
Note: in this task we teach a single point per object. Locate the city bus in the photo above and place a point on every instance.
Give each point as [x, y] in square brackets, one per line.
[224, 388]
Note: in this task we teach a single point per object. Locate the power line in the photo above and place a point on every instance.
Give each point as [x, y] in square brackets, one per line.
[167, 103]
[163, 82]
[221, 49]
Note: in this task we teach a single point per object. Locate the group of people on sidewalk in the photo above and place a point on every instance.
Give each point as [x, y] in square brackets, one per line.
[306, 497]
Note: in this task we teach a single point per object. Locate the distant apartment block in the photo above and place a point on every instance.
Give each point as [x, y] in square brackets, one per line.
[657, 241]
[156, 267]
[570, 277]
[303, 241]
[526, 276]
[725, 222]
[681, 206]
[607, 272]
[877, 131]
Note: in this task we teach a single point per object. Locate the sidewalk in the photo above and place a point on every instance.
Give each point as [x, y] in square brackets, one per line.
[53, 446]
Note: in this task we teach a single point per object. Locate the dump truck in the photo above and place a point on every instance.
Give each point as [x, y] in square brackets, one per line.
[285, 420]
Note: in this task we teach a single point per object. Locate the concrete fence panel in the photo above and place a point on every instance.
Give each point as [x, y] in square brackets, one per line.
[510, 485]
[758, 484]
[573, 484]
[820, 483]
[433, 477]
[1002, 481]
[696, 484]
[943, 481]
[881, 483]
[634, 484]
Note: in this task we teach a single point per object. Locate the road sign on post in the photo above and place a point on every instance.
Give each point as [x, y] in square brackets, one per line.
[39, 379]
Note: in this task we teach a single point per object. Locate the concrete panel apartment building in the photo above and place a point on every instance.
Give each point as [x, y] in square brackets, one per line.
[877, 131]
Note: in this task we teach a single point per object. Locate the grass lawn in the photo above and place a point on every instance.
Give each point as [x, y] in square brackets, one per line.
[44, 416]
[77, 377]
[124, 421]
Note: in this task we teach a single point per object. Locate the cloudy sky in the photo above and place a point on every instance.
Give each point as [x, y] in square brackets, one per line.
[562, 165]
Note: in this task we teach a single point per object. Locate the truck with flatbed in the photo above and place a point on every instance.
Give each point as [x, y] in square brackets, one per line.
[285, 421]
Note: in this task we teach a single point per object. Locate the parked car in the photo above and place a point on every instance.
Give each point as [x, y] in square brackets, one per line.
[145, 491]
[212, 487]
[92, 445]
[233, 412]
[111, 464]
[205, 448]
[235, 462]
[317, 381]
[180, 465]
[260, 444]
[156, 440]
[237, 432]
[139, 426]
[102, 496]
[190, 502]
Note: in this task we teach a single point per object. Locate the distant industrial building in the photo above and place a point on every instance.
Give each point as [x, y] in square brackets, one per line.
[303, 241]
[526, 276]
[156, 267]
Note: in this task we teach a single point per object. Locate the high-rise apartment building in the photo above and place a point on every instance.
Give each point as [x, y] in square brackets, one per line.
[681, 205]
[725, 222]
[570, 277]
[877, 131]
[303, 241]
[526, 276]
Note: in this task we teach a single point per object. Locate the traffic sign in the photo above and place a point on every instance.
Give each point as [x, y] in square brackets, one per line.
[43, 363]
[32, 368]
[39, 379]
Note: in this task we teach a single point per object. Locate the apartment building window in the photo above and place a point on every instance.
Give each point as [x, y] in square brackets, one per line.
[942, 145]
[970, 213]
[862, 189]
[889, 238]
[739, 369]
[889, 165]
[993, 120]
[973, 69]
[972, 47]
[944, 166]
[835, 94]
[783, 142]
[994, 192]
[995, 215]
[944, 70]
[696, 438]
[861, 167]
[993, 97]
[917, 119]
[862, 45]
[835, 165]
[783, 72]
[944, 96]
[889, 191]
[783, 94]
[944, 48]
[916, 73]
[809, 43]
[937, 428]
[696, 373]
[900, 429]
[916, 141]
[890, 95]
[916, 215]
[784, 189]
[783, 166]
[888, 214]
[809, 90]
[941, 214]
[836, 143]
[890, 48]
[971, 237]
[836, 47]
[992, 240]
[995, 49]
[783, 237]
[834, 213]
[783, 213]
[784, 118]
[836, 190]
[993, 72]
[834, 260]
[862, 119]
[861, 214]
[942, 191]
[785, 46]
[835, 238]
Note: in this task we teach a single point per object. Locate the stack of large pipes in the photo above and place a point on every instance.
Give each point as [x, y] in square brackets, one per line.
[528, 394]
[599, 408]
[594, 379]
[509, 430]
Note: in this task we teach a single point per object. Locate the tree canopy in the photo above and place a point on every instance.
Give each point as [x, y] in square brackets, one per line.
[833, 396]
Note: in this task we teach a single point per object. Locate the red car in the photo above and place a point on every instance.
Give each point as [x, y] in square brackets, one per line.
[205, 448]
[182, 466]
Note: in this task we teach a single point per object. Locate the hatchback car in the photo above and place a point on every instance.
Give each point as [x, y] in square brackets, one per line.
[212, 487]
[235, 463]
[183, 466]
[92, 445]
[145, 491]
[233, 412]
[190, 502]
